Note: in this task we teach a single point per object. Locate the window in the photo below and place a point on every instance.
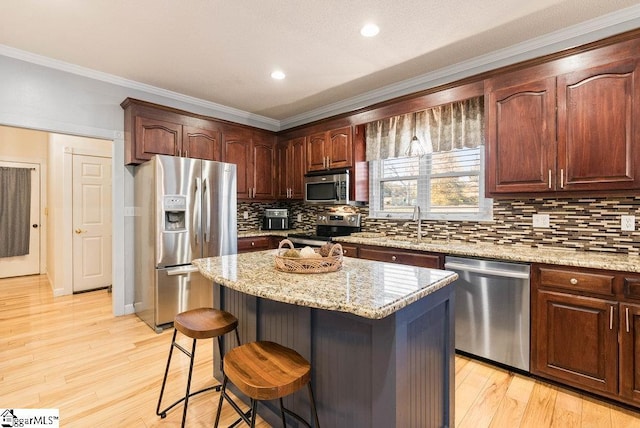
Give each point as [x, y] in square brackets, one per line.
[447, 178]
[446, 185]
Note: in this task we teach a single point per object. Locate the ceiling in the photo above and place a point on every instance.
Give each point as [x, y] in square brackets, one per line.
[222, 52]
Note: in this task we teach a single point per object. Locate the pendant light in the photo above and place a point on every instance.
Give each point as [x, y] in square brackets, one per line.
[415, 147]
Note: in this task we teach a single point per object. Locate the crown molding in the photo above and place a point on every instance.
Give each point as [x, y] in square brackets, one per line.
[576, 35]
[212, 109]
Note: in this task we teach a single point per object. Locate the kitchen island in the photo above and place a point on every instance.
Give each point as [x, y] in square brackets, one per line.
[379, 336]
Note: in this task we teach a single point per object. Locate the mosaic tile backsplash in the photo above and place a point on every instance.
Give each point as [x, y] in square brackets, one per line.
[584, 224]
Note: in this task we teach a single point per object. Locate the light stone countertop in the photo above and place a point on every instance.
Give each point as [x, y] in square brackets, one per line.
[518, 253]
[365, 288]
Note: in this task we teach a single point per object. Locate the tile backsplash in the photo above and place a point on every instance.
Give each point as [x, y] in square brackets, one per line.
[583, 224]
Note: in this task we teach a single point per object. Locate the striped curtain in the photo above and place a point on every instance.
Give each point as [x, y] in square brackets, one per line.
[15, 210]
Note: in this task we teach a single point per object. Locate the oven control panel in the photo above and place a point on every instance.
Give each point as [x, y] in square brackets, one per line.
[338, 219]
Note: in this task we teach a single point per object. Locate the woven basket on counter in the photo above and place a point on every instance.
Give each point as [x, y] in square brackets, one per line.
[331, 263]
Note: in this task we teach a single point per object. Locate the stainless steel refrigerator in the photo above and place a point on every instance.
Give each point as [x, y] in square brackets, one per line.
[185, 209]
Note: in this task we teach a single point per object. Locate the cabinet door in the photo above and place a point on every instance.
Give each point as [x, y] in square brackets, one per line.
[340, 148]
[598, 112]
[296, 168]
[521, 138]
[316, 152]
[156, 137]
[630, 352]
[200, 143]
[264, 156]
[282, 170]
[576, 340]
[237, 150]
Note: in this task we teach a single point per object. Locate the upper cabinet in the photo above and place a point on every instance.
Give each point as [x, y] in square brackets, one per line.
[291, 168]
[567, 132]
[151, 130]
[254, 154]
[329, 150]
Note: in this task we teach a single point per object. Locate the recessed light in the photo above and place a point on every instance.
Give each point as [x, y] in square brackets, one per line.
[278, 75]
[369, 30]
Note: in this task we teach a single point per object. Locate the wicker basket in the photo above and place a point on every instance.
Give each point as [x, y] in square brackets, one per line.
[331, 263]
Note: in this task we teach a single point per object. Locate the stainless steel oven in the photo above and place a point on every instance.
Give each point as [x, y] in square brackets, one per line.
[492, 313]
[328, 225]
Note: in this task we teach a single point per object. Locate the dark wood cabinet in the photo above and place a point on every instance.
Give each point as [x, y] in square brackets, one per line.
[153, 130]
[630, 352]
[569, 132]
[330, 150]
[254, 154]
[264, 163]
[290, 168]
[577, 340]
[585, 330]
[598, 126]
[349, 250]
[521, 132]
[257, 243]
[394, 255]
[200, 143]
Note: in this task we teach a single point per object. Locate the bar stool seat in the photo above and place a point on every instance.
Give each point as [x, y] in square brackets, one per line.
[266, 371]
[200, 323]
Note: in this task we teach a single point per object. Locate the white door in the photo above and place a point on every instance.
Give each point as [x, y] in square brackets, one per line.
[91, 222]
[28, 264]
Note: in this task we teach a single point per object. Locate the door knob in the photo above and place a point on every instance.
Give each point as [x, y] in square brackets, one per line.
[35, 226]
[78, 231]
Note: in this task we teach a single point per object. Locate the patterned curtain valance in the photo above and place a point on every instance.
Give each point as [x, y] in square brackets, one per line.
[443, 128]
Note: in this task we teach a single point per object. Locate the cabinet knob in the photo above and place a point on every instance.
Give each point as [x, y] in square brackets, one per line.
[394, 258]
[573, 281]
[344, 251]
[253, 244]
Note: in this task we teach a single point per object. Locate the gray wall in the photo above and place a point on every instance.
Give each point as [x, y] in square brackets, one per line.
[39, 97]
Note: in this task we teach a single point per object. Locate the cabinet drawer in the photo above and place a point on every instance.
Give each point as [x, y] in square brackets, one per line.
[349, 250]
[402, 257]
[258, 243]
[577, 281]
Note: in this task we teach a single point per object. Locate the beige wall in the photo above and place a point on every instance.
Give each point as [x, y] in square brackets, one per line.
[22, 143]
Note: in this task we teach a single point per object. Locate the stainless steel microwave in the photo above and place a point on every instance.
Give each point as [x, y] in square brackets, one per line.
[327, 188]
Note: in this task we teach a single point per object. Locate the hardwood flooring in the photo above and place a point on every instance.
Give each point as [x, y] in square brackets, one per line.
[72, 354]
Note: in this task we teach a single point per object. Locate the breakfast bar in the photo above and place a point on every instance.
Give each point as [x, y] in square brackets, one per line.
[379, 336]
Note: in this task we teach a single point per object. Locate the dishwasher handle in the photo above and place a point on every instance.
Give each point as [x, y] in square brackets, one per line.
[486, 271]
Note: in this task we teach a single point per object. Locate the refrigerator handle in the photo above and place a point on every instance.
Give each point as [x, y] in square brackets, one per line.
[197, 221]
[207, 206]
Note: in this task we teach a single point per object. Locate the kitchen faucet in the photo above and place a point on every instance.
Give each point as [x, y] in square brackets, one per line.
[416, 218]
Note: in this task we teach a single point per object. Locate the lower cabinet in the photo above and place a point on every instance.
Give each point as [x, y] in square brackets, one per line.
[585, 356]
[586, 330]
[394, 255]
[257, 243]
[630, 352]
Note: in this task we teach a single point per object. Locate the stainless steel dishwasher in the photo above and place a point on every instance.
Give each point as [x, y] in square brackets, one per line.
[492, 311]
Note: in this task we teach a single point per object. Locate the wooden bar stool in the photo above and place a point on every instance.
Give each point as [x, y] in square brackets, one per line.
[201, 323]
[266, 371]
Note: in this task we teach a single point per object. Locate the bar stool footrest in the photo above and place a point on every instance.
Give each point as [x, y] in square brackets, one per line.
[163, 413]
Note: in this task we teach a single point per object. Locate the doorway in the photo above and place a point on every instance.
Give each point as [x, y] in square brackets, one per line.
[91, 222]
[28, 264]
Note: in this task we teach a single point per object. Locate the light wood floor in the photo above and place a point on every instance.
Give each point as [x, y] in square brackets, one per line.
[72, 354]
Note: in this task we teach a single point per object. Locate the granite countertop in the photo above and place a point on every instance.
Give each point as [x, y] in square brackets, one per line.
[518, 253]
[365, 288]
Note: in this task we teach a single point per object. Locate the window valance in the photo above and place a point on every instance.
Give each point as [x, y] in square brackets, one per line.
[447, 127]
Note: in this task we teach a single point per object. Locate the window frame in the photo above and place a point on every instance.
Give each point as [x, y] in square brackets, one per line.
[423, 182]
